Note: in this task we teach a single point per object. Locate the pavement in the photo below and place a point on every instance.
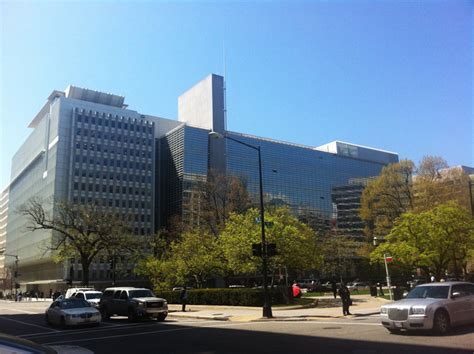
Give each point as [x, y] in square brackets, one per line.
[323, 307]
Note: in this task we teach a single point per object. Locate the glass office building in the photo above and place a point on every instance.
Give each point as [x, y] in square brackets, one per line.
[87, 146]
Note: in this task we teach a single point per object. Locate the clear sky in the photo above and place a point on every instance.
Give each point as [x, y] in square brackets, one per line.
[387, 74]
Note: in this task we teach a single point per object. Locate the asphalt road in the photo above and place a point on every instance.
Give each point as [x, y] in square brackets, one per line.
[358, 335]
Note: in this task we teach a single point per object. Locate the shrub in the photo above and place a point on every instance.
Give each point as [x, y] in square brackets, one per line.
[225, 296]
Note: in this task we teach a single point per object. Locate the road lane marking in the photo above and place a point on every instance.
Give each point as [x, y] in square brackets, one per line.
[23, 311]
[105, 328]
[201, 327]
[29, 324]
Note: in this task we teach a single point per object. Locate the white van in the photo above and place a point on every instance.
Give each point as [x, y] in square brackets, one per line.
[71, 291]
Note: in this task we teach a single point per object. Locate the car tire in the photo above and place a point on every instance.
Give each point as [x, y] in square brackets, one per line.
[441, 322]
[132, 316]
[104, 313]
[62, 323]
[161, 317]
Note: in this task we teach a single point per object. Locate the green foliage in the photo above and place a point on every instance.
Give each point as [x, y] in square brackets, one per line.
[295, 242]
[225, 296]
[432, 240]
[387, 197]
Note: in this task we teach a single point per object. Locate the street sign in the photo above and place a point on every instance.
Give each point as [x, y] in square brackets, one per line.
[388, 259]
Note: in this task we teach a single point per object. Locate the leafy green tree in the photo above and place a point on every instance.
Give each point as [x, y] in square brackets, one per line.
[387, 197]
[83, 231]
[432, 240]
[296, 244]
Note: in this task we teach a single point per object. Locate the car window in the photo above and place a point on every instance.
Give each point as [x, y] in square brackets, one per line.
[79, 296]
[124, 295]
[460, 288]
[141, 293]
[117, 294]
[108, 293]
[434, 292]
[470, 289]
[90, 296]
[74, 304]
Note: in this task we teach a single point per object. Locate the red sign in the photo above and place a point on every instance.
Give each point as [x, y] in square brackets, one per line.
[388, 259]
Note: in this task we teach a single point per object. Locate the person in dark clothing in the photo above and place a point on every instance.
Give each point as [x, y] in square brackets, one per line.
[345, 296]
[334, 288]
[183, 296]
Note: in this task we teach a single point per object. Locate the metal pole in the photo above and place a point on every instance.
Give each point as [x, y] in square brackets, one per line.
[267, 309]
[388, 276]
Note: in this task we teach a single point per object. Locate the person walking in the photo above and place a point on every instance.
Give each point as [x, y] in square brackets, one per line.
[183, 296]
[296, 290]
[334, 288]
[345, 296]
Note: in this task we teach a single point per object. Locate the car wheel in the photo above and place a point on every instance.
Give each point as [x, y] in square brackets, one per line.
[132, 316]
[62, 323]
[104, 313]
[441, 323]
[161, 317]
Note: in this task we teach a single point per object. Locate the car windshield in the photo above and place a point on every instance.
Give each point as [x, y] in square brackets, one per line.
[93, 296]
[74, 304]
[140, 293]
[434, 292]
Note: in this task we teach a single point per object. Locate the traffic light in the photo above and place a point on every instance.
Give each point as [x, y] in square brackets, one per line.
[257, 249]
[111, 261]
[271, 249]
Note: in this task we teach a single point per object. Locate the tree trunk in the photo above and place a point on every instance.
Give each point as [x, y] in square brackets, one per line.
[85, 270]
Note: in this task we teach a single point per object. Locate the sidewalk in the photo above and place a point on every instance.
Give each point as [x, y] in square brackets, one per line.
[363, 305]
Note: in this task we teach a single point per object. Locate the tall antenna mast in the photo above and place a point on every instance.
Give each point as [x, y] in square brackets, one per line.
[224, 88]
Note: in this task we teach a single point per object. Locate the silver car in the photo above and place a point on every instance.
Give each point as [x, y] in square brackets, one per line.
[432, 306]
[71, 312]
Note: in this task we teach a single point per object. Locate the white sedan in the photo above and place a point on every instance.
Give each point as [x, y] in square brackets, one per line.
[432, 306]
[72, 312]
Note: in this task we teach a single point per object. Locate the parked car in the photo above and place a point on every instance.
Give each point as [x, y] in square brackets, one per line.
[91, 296]
[307, 283]
[357, 286]
[72, 312]
[132, 302]
[71, 291]
[432, 306]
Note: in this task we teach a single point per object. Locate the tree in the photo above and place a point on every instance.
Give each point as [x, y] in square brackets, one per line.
[341, 254]
[295, 242]
[387, 197]
[436, 184]
[195, 255]
[84, 231]
[214, 199]
[433, 240]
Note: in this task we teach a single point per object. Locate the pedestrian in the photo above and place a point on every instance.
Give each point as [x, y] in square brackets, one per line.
[433, 279]
[346, 299]
[36, 295]
[20, 295]
[334, 288]
[381, 289]
[50, 293]
[296, 290]
[183, 296]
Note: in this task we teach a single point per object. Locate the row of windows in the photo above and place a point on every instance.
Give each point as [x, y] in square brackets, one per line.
[125, 125]
[111, 189]
[141, 166]
[113, 137]
[113, 202]
[88, 146]
[104, 175]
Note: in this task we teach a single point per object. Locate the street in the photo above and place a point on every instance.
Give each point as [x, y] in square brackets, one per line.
[354, 334]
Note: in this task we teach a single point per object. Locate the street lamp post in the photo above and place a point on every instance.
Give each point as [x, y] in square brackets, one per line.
[267, 308]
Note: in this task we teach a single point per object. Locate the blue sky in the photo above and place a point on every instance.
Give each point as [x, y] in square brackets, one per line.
[396, 76]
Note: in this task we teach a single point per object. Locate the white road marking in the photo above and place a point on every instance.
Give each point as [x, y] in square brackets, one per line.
[23, 311]
[29, 324]
[199, 327]
[105, 328]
